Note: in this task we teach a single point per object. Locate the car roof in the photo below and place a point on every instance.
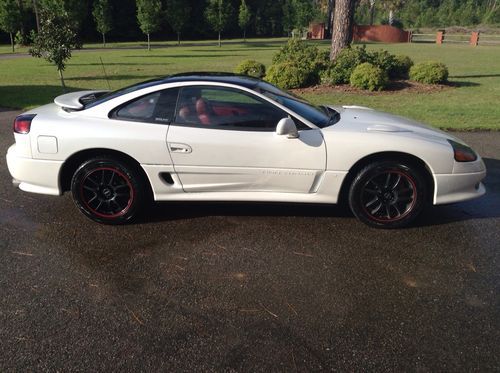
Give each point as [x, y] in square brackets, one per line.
[222, 77]
[214, 77]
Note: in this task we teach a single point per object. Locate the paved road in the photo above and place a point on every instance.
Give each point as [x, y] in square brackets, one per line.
[249, 288]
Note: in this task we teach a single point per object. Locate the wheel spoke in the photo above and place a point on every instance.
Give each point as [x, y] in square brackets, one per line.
[90, 189]
[396, 183]
[375, 199]
[377, 209]
[397, 211]
[387, 181]
[371, 191]
[111, 178]
[388, 211]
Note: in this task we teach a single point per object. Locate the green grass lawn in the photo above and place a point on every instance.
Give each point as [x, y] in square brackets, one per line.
[473, 104]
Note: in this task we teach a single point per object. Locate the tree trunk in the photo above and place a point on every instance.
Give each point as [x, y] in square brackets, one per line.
[220, 43]
[62, 79]
[35, 8]
[343, 23]
[372, 11]
[244, 35]
[12, 42]
[178, 38]
[391, 17]
[149, 43]
[103, 40]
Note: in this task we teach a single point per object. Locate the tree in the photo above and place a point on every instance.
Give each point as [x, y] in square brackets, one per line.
[55, 40]
[304, 13]
[178, 13]
[76, 10]
[102, 18]
[288, 16]
[148, 15]
[392, 6]
[37, 16]
[10, 18]
[343, 22]
[244, 18]
[217, 14]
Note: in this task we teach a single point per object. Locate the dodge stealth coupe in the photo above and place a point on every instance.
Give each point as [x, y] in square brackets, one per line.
[225, 137]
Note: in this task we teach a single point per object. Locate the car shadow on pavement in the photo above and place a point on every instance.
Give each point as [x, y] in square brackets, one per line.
[484, 207]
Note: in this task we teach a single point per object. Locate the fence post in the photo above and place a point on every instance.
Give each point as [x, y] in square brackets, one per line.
[439, 37]
[474, 38]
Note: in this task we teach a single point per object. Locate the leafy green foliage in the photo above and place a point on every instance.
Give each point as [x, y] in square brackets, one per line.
[76, 10]
[305, 57]
[368, 76]
[217, 14]
[339, 71]
[287, 75]
[244, 16]
[429, 72]
[177, 15]
[55, 40]
[401, 67]
[102, 16]
[148, 15]
[251, 68]
[10, 16]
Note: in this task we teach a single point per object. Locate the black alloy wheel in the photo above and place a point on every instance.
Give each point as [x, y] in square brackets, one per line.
[107, 190]
[387, 194]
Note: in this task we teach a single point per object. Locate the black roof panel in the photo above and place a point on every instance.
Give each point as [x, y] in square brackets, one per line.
[229, 78]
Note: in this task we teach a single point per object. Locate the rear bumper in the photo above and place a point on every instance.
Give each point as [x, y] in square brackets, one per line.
[34, 175]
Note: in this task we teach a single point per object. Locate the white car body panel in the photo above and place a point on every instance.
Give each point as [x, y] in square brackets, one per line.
[216, 165]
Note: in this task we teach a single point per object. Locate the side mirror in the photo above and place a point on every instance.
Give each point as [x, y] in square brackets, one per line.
[286, 127]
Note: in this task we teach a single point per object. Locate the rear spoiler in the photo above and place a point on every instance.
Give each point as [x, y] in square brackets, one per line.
[76, 100]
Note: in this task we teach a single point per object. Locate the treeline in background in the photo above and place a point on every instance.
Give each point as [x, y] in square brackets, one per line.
[268, 18]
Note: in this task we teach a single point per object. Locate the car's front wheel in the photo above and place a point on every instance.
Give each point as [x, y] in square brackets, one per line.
[108, 190]
[388, 194]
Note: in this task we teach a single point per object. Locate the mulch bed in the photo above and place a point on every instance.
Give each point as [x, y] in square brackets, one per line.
[397, 86]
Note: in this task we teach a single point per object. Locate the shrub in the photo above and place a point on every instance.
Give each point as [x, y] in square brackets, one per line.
[383, 59]
[340, 70]
[251, 68]
[369, 76]
[287, 75]
[429, 72]
[401, 68]
[306, 58]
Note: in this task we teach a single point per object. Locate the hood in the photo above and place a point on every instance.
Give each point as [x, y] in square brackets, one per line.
[363, 119]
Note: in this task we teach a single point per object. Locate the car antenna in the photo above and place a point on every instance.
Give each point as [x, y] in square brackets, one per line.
[105, 75]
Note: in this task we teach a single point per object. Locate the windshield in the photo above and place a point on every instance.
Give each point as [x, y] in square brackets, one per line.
[320, 116]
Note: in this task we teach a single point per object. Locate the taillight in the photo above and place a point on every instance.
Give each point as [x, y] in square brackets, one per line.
[462, 152]
[22, 124]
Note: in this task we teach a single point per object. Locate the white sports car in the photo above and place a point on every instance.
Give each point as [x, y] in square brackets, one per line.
[224, 137]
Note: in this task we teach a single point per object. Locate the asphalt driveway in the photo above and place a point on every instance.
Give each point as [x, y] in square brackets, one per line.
[267, 287]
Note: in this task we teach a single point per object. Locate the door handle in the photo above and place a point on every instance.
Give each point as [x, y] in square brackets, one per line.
[179, 148]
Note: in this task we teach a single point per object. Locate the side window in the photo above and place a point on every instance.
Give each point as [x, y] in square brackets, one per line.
[158, 107]
[226, 108]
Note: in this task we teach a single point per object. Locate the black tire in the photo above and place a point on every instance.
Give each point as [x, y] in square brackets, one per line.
[108, 190]
[388, 194]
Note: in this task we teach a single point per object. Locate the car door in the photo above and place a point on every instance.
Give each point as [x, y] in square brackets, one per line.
[224, 139]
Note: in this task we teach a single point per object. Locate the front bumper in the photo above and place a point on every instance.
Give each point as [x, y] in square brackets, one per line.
[34, 175]
[464, 184]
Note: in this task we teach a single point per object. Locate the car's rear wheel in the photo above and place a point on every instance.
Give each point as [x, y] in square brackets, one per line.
[108, 190]
[388, 194]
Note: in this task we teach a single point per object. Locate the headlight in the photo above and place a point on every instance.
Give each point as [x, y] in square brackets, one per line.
[462, 152]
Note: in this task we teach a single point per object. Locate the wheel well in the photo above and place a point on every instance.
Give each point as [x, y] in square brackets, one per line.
[72, 163]
[392, 156]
